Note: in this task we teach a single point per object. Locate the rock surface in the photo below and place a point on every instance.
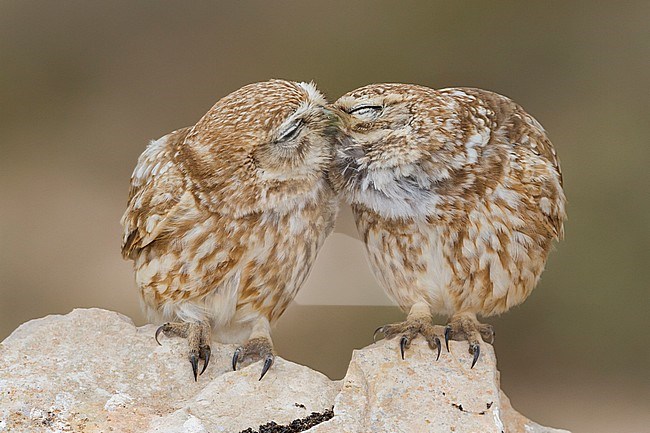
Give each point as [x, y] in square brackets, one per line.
[93, 371]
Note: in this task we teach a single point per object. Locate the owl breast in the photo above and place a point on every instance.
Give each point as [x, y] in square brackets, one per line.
[485, 259]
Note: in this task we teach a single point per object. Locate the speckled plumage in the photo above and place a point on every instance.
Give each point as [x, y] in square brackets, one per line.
[225, 218]
[457, 194]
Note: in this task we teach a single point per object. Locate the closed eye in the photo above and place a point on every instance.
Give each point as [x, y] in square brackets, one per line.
[291, 132]
[366, 111]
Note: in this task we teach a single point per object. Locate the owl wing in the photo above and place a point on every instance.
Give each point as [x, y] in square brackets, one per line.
[539, 171]
[156, 190]
[537, 164]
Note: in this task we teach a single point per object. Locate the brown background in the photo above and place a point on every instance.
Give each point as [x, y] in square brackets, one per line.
[85, 85]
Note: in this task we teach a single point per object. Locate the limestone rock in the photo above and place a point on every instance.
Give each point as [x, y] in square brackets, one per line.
[94, 371]
[382, 393]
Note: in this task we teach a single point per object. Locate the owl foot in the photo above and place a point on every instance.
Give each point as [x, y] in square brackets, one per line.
[409, 329]
[467, 327]
[260, 348]
[198, 336]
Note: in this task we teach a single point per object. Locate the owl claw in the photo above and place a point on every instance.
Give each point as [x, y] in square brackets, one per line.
[235, 358]
[205, 355]
[408, 331]
[197, 334]
[158, 331]
[465, 326]
[379, 330]
[268, 362]
[403, 344]
[256, 348]
[194, 360]
[476, 350]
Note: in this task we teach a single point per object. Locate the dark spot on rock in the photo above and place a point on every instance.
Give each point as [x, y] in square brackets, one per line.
[458, 406]
[489, 405]
[49, 419]
[297, 425]
[302, 406]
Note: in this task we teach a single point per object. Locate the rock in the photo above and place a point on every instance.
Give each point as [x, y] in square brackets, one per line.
[93, 371]
[382, 393]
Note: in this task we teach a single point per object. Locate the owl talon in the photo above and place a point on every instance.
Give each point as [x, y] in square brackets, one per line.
[268, 362]
[408, 330]
[476, 350]
[379, 330]
[256, 348]
[403, 344]
[465, 326]
[194, 360]
[235, 358]
[205, 355]
[158, 331]
[197, 334]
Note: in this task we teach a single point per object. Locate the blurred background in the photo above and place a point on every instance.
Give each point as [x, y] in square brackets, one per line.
[85, 85]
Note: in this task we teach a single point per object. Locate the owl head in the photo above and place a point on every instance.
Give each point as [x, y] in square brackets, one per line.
[393, 149]
[265, 145]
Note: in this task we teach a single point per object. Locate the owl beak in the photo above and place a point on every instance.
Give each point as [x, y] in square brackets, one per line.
[336, 116]
[344, 144]
[329, 113]
[336, 124]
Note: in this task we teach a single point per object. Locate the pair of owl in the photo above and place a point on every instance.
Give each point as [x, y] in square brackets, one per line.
[457, 195]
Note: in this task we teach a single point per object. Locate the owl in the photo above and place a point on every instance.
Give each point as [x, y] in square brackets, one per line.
[457, 195]
[226, 217]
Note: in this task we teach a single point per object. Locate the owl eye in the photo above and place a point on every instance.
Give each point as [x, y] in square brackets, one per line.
[291, 131]
[366, 111]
